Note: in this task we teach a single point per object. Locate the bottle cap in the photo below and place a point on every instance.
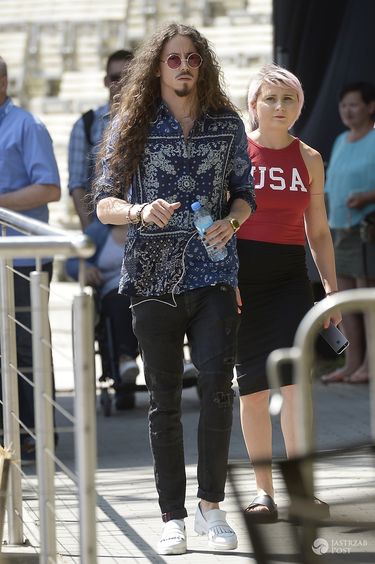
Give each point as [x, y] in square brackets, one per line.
[195, 206]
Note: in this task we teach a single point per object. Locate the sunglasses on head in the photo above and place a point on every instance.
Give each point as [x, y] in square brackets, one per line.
[114, 77]
[194, 61]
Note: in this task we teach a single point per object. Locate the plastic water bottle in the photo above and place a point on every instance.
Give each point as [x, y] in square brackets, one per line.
[202, 221]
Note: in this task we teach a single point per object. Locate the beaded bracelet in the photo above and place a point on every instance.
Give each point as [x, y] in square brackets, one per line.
[136, 219]
[138, 215]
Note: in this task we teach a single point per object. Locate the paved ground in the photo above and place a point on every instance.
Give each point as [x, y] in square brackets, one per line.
[128, 522]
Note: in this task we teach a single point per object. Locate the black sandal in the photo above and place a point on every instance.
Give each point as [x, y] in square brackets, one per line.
[268, 516]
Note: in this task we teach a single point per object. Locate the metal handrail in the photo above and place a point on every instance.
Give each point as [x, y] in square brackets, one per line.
[42, 240]
[302, 355]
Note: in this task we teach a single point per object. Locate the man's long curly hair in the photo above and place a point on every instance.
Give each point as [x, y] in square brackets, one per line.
[136, 106]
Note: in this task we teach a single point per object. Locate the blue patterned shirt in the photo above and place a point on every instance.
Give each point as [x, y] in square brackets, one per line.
[212, 162]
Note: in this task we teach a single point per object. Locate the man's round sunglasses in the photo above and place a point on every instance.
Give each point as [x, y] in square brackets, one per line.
[194, 61]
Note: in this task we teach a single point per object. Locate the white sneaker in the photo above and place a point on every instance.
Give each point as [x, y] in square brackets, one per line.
[213, 523]
[173, 538]
[129, 371]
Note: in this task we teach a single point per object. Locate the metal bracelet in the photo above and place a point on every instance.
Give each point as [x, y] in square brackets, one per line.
[136, 218]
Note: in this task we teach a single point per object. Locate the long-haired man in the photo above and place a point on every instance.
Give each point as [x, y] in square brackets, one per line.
[175, 138]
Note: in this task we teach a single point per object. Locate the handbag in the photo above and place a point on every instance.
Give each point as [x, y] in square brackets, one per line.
[367, 228]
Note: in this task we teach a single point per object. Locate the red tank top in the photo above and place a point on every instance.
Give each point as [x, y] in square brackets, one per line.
[281, 181]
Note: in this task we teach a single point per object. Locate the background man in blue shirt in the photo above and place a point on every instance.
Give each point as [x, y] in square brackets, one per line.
[84, 139]
[29, 179]
[175, 138]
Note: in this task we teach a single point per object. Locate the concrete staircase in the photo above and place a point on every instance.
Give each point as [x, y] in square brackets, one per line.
[16, 11]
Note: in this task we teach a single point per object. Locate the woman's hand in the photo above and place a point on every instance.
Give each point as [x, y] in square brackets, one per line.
[159, 212]
[334, 317]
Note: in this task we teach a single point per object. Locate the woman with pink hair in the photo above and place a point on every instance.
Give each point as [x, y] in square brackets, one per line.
[273, 282]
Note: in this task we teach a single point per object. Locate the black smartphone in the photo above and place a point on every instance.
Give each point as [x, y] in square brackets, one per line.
[335, 338]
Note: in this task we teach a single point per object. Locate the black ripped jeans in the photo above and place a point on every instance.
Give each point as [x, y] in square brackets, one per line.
[209, 318]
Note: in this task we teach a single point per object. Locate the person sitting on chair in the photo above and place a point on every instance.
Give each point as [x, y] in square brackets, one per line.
[103, 273]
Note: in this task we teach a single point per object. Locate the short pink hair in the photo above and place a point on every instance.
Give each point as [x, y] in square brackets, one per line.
[277, 76]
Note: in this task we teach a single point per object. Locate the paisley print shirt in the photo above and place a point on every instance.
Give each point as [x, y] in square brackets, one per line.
[210, 166]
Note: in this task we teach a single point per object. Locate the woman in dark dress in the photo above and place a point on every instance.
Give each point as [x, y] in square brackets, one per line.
[273, 281]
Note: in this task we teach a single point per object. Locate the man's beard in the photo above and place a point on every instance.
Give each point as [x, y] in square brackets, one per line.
[185, 91]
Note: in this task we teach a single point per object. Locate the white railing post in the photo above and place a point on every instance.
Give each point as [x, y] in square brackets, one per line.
[358, 300]
[44, 425]
[302, 354]
[9, 379]
[42, 240]
[84, 371]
